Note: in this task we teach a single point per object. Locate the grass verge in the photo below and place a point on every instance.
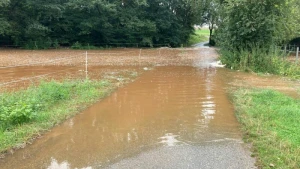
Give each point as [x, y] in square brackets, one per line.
[270, 121]
[200, 35]
[28, 113]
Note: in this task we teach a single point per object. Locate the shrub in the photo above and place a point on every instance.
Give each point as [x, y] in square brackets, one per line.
[22, 106]
[286, 68]
[259, 59]
[56, 44]
[76, 45]
[40, 43]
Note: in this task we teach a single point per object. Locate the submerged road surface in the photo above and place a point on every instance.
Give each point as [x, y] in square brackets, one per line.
[170, 117]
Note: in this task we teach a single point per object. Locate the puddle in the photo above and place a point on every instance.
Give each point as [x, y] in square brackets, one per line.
[168, 106]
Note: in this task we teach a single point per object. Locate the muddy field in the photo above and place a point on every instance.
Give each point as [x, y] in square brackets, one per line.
[19, 68]
[115, 57]
[22, 67]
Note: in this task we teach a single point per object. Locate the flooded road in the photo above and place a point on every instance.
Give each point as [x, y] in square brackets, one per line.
[170, 117]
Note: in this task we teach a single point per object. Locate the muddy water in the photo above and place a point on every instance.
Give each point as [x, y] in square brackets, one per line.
[21, 77]
[166, 106]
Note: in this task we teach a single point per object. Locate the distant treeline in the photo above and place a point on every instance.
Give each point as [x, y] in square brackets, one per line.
[46, 23]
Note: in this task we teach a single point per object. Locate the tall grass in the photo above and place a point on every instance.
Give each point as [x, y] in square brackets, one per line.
[271, 122]
[260, 59]
[26, 113]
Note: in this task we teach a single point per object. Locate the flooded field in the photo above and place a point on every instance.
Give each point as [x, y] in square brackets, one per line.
[19, 68]
[176, 114]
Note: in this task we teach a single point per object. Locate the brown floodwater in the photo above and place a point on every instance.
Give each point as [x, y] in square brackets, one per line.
[165, 106]
[21, 77]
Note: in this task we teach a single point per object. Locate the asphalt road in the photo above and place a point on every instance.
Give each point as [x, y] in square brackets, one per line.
[202, 44]
[219, 154]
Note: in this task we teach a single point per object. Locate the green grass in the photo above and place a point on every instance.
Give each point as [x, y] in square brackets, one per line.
[271, 122]
[27, 113]
[202, 31]
[200, 35]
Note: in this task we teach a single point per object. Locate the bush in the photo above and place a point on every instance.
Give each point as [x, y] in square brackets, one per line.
[23, 106]
[286, 68]
[38, 44]
[30, 45]
[259, 59]
[255, 59]
[56, 44]
[76, 45]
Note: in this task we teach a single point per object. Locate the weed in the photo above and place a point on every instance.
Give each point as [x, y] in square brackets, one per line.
[286, 68]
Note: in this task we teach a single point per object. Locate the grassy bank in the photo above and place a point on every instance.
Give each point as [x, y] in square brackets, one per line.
[200, 35]
[270, 121]
[27, 113]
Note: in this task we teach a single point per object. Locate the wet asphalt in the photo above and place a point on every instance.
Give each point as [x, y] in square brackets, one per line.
[212, 155]
[202, 45]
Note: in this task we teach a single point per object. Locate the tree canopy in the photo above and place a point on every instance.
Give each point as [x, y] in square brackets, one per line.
[146, 22]
[97, 22]
[243, 23]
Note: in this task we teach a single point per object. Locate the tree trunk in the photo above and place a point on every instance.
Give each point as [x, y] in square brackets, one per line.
[210, 33]
[211, 27]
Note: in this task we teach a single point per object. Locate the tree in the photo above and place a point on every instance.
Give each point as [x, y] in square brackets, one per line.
[291, 23]
[173, 19]
[98, 22]
[252, 22]
[209, 14]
